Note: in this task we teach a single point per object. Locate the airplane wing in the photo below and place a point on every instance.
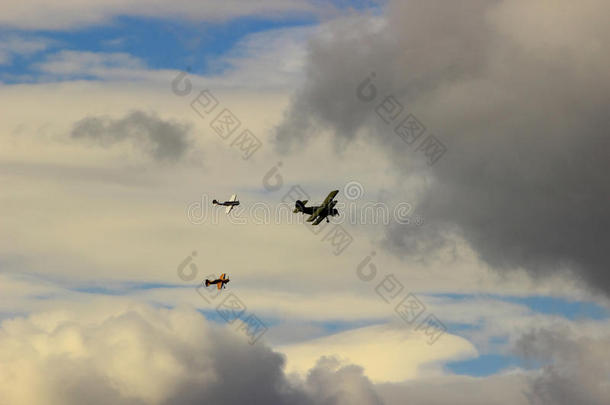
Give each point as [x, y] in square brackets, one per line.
[219, 285]
[316, 212]
[230, 207]
[222, 276]
[320, 219]
[330, 197]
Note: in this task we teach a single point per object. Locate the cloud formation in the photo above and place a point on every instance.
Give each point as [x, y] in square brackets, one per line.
[70, 64]
[518, 95]
[163, 140]
[12, 45]
[389, 353]
[135, 354]
[117, 351]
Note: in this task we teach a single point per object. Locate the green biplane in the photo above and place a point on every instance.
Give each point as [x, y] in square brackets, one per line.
[318, 213]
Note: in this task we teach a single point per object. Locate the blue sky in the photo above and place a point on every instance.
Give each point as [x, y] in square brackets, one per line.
[160, 44]
[164, 43]
[548, 305]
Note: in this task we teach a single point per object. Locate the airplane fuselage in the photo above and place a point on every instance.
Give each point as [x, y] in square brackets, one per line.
[220, 281]
[329, 211]
[226, 203]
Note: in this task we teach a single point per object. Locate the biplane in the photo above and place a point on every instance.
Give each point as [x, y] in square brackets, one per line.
[229, 204]
[318, 213]
[220, 282]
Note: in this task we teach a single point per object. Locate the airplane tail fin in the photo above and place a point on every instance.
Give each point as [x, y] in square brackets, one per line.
[299, 205]
[207, 282]
[214, 202]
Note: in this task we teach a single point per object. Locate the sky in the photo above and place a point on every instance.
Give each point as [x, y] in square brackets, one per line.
[467, 142]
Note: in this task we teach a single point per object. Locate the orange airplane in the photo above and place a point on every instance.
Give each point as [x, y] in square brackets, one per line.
[220, 282]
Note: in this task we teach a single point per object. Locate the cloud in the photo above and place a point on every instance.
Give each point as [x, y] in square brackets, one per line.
[521, 109]
[128, 353]
[341, 385]
[578, 369]
[575, 371]
[90, 64]
[163, 140]
[504, 389]
[387, 353]
[11, 45]
[132, 354]
[271, 59]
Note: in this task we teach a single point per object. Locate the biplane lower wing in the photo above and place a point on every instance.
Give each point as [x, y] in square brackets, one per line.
[320, 219]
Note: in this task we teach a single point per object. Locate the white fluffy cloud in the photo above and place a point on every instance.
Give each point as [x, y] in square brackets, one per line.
[386, 353]
[133, 354]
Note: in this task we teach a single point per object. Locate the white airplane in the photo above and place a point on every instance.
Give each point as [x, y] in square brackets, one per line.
[229, 204]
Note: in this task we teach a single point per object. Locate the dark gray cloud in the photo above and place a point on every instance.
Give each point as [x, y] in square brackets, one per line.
[255, 375]
[578, 370]
[163, 140]
[518, 94]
